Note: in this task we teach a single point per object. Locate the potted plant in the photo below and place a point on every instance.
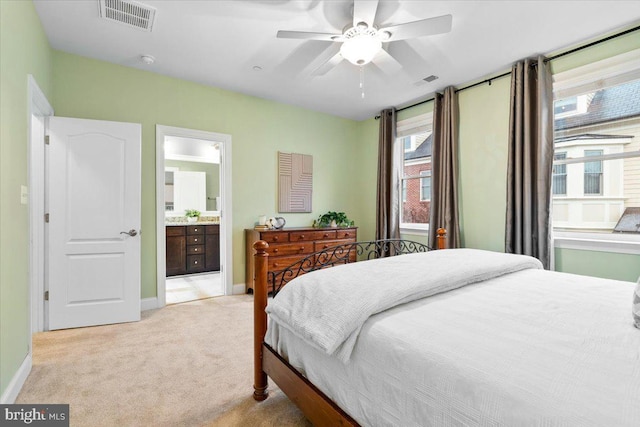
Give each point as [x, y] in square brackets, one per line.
[192, 215]
[333, 219]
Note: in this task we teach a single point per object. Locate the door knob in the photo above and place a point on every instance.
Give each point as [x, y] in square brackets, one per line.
[131, 232]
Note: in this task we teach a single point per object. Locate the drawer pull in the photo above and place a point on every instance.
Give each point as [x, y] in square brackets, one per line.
[301, 248]
[325, 246]
[301, 236]
[195, 249]
[326, 235]
[275, 250]
[195, 262]
[275, 264]
[195, 229]
[195, 240]
[275, 238]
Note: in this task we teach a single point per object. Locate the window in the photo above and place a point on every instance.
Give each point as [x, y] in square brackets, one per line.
[425, 186]
[407, 143]
[415, 136]
[593, 173]
[404, 190]
[559, 175]
[596, 168]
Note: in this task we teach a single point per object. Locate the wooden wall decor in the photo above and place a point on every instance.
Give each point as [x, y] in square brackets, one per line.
[295, 182]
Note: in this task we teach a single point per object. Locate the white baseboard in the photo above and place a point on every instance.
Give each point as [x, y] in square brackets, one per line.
[239, 289]
[15, 385]
[148, 303]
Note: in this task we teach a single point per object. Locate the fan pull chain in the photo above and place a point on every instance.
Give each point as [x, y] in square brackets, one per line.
[362, 80]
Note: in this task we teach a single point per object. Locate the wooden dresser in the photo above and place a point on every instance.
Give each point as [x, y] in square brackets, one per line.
[192, 249]
[292, 244]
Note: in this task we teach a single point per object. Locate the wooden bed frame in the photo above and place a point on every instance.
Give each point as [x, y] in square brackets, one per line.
[316, 406]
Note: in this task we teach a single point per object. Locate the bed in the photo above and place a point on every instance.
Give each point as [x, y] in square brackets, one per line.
[481, 338]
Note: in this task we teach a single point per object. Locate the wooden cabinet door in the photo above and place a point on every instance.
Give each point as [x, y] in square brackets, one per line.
[176, 255]
[212, 247]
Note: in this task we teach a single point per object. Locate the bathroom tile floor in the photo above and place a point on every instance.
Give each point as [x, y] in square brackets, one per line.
[193, 287]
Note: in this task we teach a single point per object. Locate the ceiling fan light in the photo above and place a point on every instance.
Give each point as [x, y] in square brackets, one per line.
[360, 49]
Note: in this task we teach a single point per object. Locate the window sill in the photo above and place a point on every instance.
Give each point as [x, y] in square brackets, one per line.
[416, 229]
[599, 242]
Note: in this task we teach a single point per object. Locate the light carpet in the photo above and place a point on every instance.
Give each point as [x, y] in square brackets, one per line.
[184, 365]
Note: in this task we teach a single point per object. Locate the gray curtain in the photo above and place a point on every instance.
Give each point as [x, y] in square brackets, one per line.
[388, 208]
[444, 169]
[528, 228]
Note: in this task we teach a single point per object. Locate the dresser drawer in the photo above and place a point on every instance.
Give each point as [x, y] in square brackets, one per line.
[278, 263]
[195, 240]
[175, 230]
[296, 236]
[195, 262]
[195, 249]
[346, 234]
[195, 229]
[275, 236]
[281, 249]
[320, 246]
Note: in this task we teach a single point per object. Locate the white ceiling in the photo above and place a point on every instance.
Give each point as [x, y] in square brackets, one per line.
[218, 43]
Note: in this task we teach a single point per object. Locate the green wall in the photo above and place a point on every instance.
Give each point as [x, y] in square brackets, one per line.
[599, 264]
[259, 129]
[24, 50]
[484, 134]
[212, 171]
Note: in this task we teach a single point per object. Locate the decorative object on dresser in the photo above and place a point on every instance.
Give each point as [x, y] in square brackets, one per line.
[292, 244]
[276, 223]
[333, 219]
[295, 182]
[192, 249]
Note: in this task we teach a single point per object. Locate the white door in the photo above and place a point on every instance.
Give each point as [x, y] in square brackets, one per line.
[93, 253]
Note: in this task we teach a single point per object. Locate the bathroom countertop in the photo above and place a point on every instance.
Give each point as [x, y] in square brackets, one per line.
[173, 224]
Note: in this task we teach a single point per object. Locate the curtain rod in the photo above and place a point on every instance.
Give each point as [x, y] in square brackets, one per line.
[551, 58]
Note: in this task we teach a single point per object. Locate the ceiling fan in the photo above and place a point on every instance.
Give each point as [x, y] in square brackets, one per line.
[362, 40]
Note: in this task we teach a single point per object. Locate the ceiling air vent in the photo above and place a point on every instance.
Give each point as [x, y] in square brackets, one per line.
[127, 12]
[430, 78]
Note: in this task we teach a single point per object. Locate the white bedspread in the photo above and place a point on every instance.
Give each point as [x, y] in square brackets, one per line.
[531, 348]
[328, 308]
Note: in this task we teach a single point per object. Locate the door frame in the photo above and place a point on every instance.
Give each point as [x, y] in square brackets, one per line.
[39, 106]
[226, 259]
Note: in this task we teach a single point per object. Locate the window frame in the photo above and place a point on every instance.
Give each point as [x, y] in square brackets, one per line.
[411, 126]
[609, 72]
[600, 153]
[563, 174]
[424, 175]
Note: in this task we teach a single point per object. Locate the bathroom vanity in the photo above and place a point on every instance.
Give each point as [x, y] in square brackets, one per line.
[193, 248]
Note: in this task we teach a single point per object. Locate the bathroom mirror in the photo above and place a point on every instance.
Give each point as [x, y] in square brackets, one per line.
[192, 177]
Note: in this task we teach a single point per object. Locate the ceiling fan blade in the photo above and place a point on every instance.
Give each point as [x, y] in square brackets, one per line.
[327, 66]
[302, 35]
[424, 27]
[387, 63]
[364, 11]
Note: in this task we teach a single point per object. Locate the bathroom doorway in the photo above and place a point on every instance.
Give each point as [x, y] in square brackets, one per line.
[193, 199]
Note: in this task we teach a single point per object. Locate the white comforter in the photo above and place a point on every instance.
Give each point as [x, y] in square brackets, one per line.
[527, 348]
[328, 308]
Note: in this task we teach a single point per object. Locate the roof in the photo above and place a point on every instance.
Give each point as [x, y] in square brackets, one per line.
[589, 137]
[610, 104]
[422, 150]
